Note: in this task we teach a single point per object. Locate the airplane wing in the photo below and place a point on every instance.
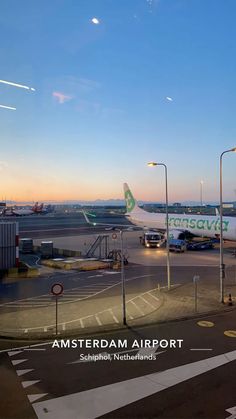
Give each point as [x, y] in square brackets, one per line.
[113, 226]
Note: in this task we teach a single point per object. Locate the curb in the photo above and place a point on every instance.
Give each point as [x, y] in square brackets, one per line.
[109, 328]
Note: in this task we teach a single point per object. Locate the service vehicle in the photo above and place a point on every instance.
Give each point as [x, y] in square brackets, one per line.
[152, 239]
[177, 245]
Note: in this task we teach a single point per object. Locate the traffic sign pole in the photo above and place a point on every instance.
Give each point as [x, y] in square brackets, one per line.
[56, 314]
[57, 290]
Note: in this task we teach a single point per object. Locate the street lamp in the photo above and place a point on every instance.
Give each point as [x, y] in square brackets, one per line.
[151, 164]
[201, 185]
[222, 266]
[122, 276]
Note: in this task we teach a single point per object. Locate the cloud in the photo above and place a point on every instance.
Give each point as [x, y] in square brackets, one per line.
[61, 98]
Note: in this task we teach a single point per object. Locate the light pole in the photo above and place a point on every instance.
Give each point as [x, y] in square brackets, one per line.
[123, 278]
[201, 185]
[222, 266]
[167, 223]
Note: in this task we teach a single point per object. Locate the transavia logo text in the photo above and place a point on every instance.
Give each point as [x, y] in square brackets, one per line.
[198, 224]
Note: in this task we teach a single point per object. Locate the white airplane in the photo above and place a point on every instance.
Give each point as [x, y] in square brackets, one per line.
[179, 224]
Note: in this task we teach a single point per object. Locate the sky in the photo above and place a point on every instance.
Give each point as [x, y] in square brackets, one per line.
[149, 80]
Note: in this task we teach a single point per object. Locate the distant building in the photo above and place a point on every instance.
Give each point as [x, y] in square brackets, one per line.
[177, 204]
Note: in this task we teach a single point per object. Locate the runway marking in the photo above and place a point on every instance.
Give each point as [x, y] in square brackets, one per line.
[26, 384]
[18, 361]
[231, 410]
[153, 296]
[12, 353]
[26, 347]
[113, 315]
[23, 372]
[137, 307]
[205, 323]
[106, 399]
[49, 298]
[129, 315]
[98, 320]
[33, 397]
[230, 333]
[81, 323]
[147, 302]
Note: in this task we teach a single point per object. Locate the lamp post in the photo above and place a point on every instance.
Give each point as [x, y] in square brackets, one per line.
[167, 223]
[222, 266]
[201, 185]
[123, 278]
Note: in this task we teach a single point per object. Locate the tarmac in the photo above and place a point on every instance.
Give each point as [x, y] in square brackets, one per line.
[178, 303]
[153, 305]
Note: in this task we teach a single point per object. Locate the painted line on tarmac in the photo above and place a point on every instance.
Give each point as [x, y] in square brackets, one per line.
[153, 296]
[230, 333]
[147, 302]
[98, 320]
[204, 323]
[113, 315]
[26, 347]
[111, 397]
[46, 327]
[137, 307]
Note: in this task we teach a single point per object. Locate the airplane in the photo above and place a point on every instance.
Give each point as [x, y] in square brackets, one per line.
[36, 209]
[180, 225]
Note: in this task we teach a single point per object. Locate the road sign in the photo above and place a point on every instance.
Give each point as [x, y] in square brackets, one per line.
[57, 289]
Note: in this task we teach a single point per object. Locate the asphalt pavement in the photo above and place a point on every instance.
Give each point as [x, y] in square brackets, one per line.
[196, 380]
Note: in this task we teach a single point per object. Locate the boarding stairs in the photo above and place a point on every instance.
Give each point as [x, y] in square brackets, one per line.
[100, 247]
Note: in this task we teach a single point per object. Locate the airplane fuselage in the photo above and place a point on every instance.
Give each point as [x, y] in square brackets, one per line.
[198, 225]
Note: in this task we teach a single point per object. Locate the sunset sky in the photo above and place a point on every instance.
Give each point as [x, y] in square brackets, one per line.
[148, 80]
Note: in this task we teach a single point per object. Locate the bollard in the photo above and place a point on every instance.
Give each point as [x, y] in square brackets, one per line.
[230, 302]
[195, 281]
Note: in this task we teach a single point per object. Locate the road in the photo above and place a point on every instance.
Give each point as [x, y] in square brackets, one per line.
[93, 299]
[194, 381]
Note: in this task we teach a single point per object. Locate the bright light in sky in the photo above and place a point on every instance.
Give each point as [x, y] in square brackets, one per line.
[95, 21]
[8, 107]
[21, 86]
[169, 98]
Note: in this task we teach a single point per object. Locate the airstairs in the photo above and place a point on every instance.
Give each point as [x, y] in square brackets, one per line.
[100, 247]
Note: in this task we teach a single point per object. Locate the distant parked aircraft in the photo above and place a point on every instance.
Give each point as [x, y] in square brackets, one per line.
[36, 209]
